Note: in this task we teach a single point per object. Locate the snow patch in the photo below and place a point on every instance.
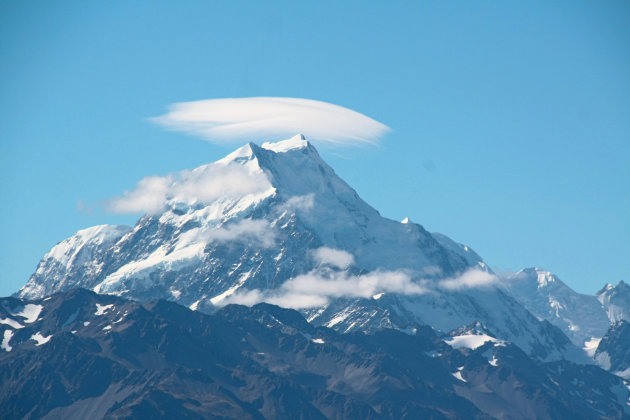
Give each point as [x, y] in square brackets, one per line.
[40, 338]
[5, 340]
[12, 323]
[603, 360]
[101, 309]
[458, 374]
[590, 346]
[336, 320]
[30, 312]
[318, 341]
[625, 374]
[470, 341]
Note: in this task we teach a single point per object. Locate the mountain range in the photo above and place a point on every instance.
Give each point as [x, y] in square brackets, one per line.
[274, 223]
[78, 354]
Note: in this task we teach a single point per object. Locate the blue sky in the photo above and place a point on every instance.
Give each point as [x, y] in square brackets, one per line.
[510, 120]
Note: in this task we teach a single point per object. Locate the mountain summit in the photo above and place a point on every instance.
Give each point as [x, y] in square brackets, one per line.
[276, 223]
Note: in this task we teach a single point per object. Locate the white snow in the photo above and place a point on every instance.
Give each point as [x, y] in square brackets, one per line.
[30, 312]
[318, 341]
[5, 340]
[458, 374]
[86, 323]
[195, 305]
[159, 260]
[494, 361]
[12, 323]
[405, 220]
[625, 374]
[378, 296]
[590, 346]
[339, 318]
[108, 327]
[40, 338]
[101, 309]
[470, 341]
[603, 360]
[67, 250]
[221, 297]
[296, 142]
[175, 293]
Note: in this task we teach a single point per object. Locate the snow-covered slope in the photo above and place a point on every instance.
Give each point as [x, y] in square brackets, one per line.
[274, 222]
[73, 258]
[580, 317]
[616, 301]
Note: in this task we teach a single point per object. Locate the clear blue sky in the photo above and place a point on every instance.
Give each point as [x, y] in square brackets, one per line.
[511, 119]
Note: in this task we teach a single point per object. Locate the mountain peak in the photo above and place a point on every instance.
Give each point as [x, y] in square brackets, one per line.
[296, 142]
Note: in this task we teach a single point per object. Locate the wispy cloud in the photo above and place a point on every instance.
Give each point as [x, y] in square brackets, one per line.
[317, 287]
[247, 230]
[267, 118]
[203, 184]
[470, 279]
[334, 257]
[330, 281]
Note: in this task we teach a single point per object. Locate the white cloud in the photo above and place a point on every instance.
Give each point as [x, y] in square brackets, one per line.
[334, 257]
[472, 278]
[267, 118]
[246, 230]
[316, 288]
[203, 184]
[301, 202]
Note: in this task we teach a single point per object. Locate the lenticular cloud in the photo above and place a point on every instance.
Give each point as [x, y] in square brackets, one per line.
[265, 118]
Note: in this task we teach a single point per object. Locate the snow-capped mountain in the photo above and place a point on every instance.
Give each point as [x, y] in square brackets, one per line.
[616, 301]
[580, 317]
[275, 223]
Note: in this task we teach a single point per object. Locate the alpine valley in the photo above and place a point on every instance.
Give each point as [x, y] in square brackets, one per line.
[263, 286]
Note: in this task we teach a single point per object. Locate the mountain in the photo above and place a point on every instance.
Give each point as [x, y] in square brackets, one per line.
[616, 301]
[304, 204]
[275, 223]
[613, 351]
[580, 317]
[77, 354]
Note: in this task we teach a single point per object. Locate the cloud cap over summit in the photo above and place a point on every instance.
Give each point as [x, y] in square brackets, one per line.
[229, 120]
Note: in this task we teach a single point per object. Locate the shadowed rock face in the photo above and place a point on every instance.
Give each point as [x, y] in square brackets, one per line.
[613, 351]
[81, 355]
